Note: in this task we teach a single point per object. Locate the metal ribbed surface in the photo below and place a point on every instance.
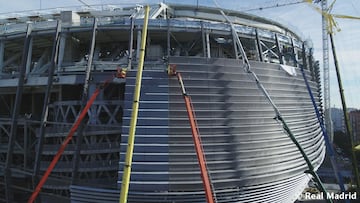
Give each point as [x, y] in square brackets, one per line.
[249, 156]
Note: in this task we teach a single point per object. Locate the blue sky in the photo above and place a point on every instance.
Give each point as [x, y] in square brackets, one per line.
[301, 17]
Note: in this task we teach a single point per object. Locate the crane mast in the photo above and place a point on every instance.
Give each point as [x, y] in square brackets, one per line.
[326, 72]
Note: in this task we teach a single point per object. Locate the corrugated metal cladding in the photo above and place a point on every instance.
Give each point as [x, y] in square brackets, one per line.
[250, 158]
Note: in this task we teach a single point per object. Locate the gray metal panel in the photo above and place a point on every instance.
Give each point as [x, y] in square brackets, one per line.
[248, 154]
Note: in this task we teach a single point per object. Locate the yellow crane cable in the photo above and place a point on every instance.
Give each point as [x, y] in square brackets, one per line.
[331, 23]
[135, 107]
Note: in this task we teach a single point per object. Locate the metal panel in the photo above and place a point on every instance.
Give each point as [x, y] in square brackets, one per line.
[244, 146]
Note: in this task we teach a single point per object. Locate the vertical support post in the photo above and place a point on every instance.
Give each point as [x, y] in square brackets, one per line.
[96, 53]
[14, 118]
[203, 39]
[258, 45]
[135, 107]
[138, 40]
[28, 60]
[45, 110]
[85, 94]
[304, 58]
[62, 45]
[294, 52]
[131, 43]
[207, 38]
[168, 39]
[89, 63]
[234, 35]
[312, 71]
[2, 53]
[281, 60]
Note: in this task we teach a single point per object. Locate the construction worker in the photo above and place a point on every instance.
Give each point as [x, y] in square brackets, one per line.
[121, 72]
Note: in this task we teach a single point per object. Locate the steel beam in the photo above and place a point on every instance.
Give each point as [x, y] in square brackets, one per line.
[258, 45]
[131, 43]
[63, 37]
[79, 133]
[28, 60]
[45, 110]
[207, 39]
[14, 120]
[311, 69]
[234, 35]
[281, 60]
[294, 52]
[138, 40]
[203, 38]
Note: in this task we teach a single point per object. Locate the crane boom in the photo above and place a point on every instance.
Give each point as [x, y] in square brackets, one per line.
[63, 146]
[196, 138]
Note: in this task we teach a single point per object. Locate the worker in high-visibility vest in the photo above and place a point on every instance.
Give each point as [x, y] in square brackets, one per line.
[171, 70]
[121, 72]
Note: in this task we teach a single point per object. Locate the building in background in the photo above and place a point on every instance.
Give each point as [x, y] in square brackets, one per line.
[355, 125]
[337, 117]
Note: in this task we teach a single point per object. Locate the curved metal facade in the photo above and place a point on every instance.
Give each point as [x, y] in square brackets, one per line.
[250, 158]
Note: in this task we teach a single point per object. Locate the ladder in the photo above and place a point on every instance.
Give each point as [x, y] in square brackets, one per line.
[205, 176]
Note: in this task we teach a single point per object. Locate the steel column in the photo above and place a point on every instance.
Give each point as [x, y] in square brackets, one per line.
[45, 110]
[234, 35]
[294, 52]
[14, 119]
[258, 45]
[168, 37]
[84, 100]
[131, 43]
[281, 60]
[62, 45]
[203, 38]
[311, 68]
[28, 60]
[207, 38]
[138, 41]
